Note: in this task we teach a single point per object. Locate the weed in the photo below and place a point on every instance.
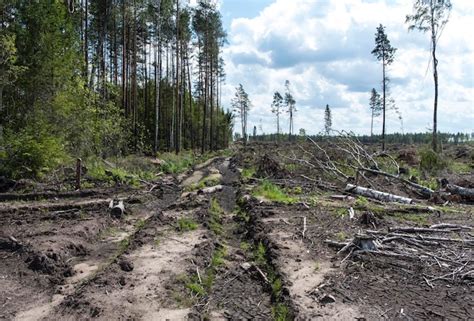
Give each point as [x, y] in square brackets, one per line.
[259, 254]
[280, 312]
[297, 190]
[415, 218]
[248, 173]
[218, 257]
[139, 224]
[215, 215]
[361, 201]
[341, 212]
[186, 224]
[341, 236]
[290, 167]
[196, 288]
[273, 193]
[317, 266]
[242, 215]
[123, 245]
[276, 287]
[245, 246]
[458, 167]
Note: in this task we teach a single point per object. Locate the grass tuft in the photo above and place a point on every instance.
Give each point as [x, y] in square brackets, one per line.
[273, 193]
[186, 224]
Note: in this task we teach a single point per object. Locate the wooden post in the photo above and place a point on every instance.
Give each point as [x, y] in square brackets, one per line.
[78, 173]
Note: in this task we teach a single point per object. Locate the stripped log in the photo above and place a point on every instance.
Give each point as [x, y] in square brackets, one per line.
[381, 196]
[117, 210]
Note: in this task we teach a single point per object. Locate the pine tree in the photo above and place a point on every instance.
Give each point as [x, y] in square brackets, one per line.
[290, 105]
[375, 108]
[431, 15]
[276, 109]
[384, 52]
[241, 106]
[327, 120]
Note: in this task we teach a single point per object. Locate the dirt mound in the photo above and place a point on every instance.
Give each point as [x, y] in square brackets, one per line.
[269, 167]
[49, 263]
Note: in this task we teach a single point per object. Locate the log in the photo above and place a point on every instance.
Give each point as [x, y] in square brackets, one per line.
[424, 229]
[464, 192]
[117, 210]
[78, 173]
[210, 190]
[381, 196]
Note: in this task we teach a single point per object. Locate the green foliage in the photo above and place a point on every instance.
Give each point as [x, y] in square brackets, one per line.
[218, 257]
[175, 164]
[361, 201]
[272, 192]
[139, 224]
[276, 287]
[430, 161]
[341, 236]
[248, 173]
[31, 152]
[196, 288]
[417, 218]
[280, 312]
[186, 224]
[215, 216]
[259, 255]
[458, 167]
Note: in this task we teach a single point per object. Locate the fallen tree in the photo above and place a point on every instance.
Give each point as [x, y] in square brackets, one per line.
[381, 196]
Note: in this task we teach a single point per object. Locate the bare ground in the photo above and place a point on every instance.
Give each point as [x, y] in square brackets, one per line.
[64, 257]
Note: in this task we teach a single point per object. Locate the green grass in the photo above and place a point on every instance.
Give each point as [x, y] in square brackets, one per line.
[341, 236]
[248, 173]
[421, 219]
[215, 217]
[280, 312]
[273, 193]
[205, 182]
[175, 164]
[259, 255]
[140, 224]
[458, 167]
[186, 224]
[361, 201]
[218, 257]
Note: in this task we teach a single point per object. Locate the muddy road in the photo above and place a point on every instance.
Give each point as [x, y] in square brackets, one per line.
[206, 245]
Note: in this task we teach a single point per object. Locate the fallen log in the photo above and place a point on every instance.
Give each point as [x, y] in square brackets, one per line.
[424, 229]
[381, 196]
[464, 192]
[117, 210]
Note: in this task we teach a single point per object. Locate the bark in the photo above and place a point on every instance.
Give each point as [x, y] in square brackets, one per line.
[464, 192]
[384, 101]
[381, 196]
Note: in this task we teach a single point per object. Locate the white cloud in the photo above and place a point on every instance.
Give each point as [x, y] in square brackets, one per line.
[323, 48]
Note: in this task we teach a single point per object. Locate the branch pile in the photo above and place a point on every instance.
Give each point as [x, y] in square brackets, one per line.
[349, 162]
[439, 252]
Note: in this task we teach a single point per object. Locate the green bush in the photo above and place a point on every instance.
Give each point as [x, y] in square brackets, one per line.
[30, 154]
[430, 161]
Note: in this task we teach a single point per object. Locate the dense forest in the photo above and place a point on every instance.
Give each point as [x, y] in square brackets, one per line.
[100, 78]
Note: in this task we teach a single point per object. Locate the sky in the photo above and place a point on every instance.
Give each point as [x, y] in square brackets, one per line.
[324, 49]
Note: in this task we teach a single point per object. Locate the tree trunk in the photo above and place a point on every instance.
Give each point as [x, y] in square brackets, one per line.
[435, 77]
[381, 196]
[383, 107]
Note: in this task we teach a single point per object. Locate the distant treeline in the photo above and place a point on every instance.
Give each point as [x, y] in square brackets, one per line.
[396, 138]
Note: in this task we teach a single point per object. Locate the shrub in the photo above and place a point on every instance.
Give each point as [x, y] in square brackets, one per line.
[29, 154]
[431, 161]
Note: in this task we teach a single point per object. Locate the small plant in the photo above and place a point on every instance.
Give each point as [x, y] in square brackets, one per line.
[361, 201]
[297, 190]
[248, 173]
[273, 193]
[341, 236]
[196, 288]
[280, 312]
[430, 161]
[276, 287]
[215, 216]
[140, 224]
[218, 257]
[186, 224]
[259, 254]
[317, 266]
[245, 246]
